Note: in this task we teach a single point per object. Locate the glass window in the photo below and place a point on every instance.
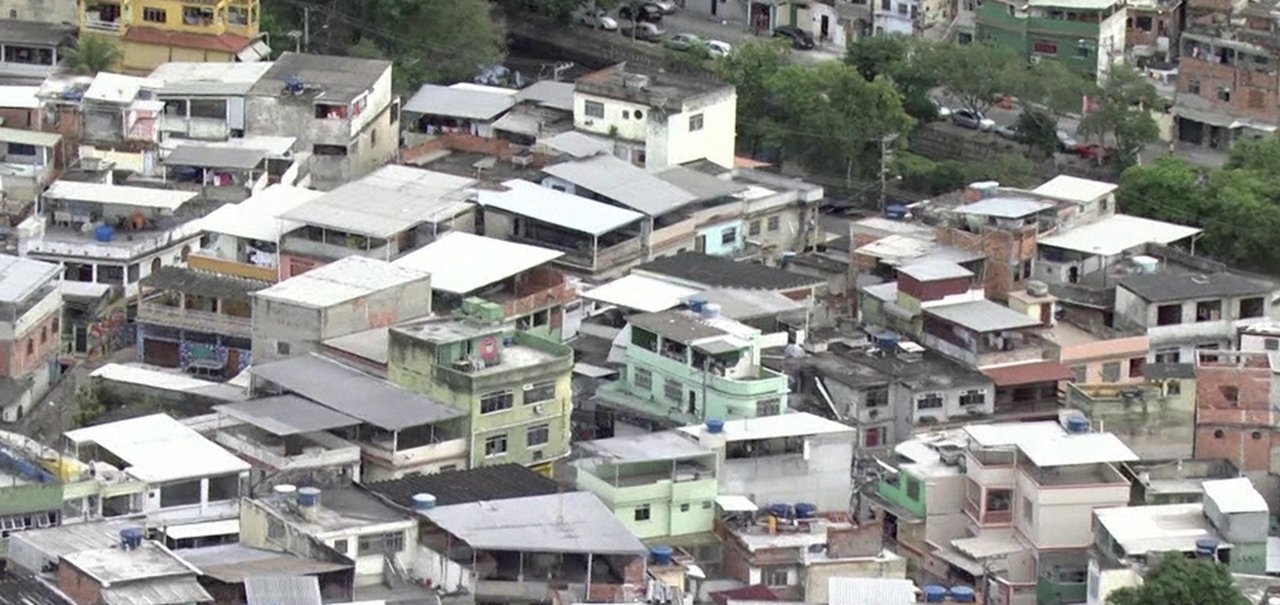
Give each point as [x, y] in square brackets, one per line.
[1028, 511]
[495, 445]
[542, 391]
[769, 407]
[496, 402]
[1111, 371]
[642, 378]
[1271, 344]
[729, 236]
[384, 543]
[774, 577]
[282, 348]
[1135, 366]
[931, 401]
[753, 228]
[275, 529]
[642, 512]
[538, 435]
[913, 488]
[672, 390]
[1209, 310]
[695, 122]
[341, 545]
[973, 397]
[154, 15]
[594, 109]
[774, 223]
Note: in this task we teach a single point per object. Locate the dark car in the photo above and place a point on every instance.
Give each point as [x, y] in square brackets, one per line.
[647, 12]
[800, 39]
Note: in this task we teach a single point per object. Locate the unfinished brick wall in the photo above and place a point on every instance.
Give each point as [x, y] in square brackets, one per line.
[1233, 410]
[82, 589]
[1004, 250]
[1164, 21]
[1253, 93]
[866, 540]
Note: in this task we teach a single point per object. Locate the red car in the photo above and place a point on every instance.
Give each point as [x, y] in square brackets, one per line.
[1093, 151]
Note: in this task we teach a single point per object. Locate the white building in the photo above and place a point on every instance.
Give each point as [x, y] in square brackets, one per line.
[244, 239]
[895, 16]
[658, 121]
[205, 100]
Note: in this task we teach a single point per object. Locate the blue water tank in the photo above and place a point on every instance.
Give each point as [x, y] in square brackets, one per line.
[715, 426]
[781, 510]
[661, 554]
[896, 212]
[423, 502]
[1077, 424]
[131, 538]
[962, 594]
[696, 304]
[1206, 547]
[104, 233]
[806, 510]
[934, 594]
[309, 496]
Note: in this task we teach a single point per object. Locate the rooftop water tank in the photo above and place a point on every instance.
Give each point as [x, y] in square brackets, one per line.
[285, 493]
[710, 311]
[934, 594]
[696, 304]
[104, 233]
[130, 538]
[781, 510]
[806, 510]
[1206, 547]
[715, 426]
[661, 554]
[962, 594]
[423, 502]
[1077, 424]
[309, 496]
[896, 212]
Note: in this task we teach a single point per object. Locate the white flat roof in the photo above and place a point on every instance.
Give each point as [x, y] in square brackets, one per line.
[142, 197]
[1086, 448]
[201, 530]
[146, 376]
[340, 281]
[1115, 234]
[158, 448]
[29, 137]
[1234, 496]
[1011, 433]
[388, 201]
[793, 424]
[1156, 528]
[1004, 207]
[462, 262]
[19, 96]
[641, 293]
[570, 211]
[258, 217]
[1074, 188]
[118, 88]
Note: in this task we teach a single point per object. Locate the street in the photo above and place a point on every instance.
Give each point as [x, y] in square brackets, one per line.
[737, 34]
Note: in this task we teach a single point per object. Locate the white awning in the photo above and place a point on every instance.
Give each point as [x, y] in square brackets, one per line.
[736, 504]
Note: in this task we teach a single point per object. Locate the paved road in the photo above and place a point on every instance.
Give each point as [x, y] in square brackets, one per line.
[735, 33]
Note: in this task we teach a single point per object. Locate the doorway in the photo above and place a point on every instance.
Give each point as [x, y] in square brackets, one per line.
[824, 27]
[714, 7]
[700, 244]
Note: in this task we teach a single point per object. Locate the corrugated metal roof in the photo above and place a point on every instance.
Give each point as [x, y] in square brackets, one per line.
[142, 197]
[983, 316]
[462, 262]
[208, 156]
[623, 183]
[469, 104]
[29, 137]
[1164, 286]
[352, 392]
[1234, 496]
[931, 270]
[20, 277]
[676, 325]
[391, 200]
[573, 522]
[118, 88]
[147, 445]
[340, 281]
[700, 184]
[1115, 234]
[1004, 207]
[282, 590]
[1074, 188]
[548, 93]
[203, 283]
[233, 563]
[645, 294]
[287, 415]
[198, 79]
[1072, 448]
[870, 591]
[558, 208]
[577, 144]
[259, 216]
[156, 592]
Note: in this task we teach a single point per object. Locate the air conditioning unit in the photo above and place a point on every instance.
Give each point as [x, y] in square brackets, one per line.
[537, 410]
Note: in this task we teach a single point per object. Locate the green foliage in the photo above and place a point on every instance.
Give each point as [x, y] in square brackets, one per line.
[977, 75]
[1053, 87]
[749, 68]
[92, 55]
[899, 59]
[932, 177]
[1238, 206]
[1123, 112]
[560, 10]
[1038, 130]
[1177, 580]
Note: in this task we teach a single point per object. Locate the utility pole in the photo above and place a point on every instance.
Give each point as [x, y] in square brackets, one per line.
[884, 167]
[306, 28]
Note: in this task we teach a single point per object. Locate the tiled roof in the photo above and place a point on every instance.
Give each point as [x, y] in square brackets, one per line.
[229, 43]
[460, 487]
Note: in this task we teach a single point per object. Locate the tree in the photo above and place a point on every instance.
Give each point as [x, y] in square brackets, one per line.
[1169, 189]
[92, 55]
[1177, 580]
[560, 10]
[977, 75]
[1038, 130]
[1053, 87]
[749, 68]
[900, 59]
[1123, 112]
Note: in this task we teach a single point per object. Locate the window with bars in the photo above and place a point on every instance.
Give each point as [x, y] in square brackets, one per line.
[384, 543]
[496, 402]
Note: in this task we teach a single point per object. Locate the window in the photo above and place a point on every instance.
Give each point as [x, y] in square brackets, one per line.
[873, 436]
[542, 391]
[913, 488]
[877, 397]
[1271, 344]
[753, 228]
[639, 114]
[1217, 433]
[973, 397]
[44, 334]
[644, 339]
[1174, 387]
[684, 508]
[1026, 270]
[31, 346]
[706, 505]
[1193, 86]
[1028, 511]
[373, 137]
[275, 529]
[1256, 435]
[774, 577]
[496, 402]
[729, 236]
[902, 8]
[642, 513]
[1209, 310]
[197, 16]
[769, 407]
[1082, 51]
[593, 109]
[1111, 371]
[1224, 94]
[1169, 315]
[341, 545]
[672, 390]
[1251, 307]
[154, 15]
[695, 122]
[1079, 374]
[538, 435]
[1135, 366]
[626, 115]
[282, 348]
[931, 401]
[378, 544]
[1168, 356]
[1207, 357]
[885, 4]
[1230, 394]
[495, 445]
[642, 378]
[1045, 47]
[329, 150]
[775, 223]
[1143, 23]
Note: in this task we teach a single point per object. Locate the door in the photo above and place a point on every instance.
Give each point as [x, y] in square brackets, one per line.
[795, 15]
[161, 353]
[824, 28]
[700, 244]
[233, 362]
[714, 7]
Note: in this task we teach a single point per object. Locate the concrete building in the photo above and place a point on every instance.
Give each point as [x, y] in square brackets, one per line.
[31, 160]
[1097, 354]
[399, 432]
[1088, 38]
[135, 570]
[203, 484]
[341, 109]
[30, 333]
[33, 46]
[384, 215]
[921, 496]
[133, 232]
[795, 457]
[658, 120]
[685, 366]
[205, 101]
[351, 295]
[1153, 29]
[158, 31]
[1084, 253]
[196, 321]
[1234, 416]
[658, 484]
[896, 17]
[287, 436]
[1154, 420]
[518, 277]
[1179, 481]
[1187, 312]
[243, 240]
[378, 538]
[512, 386]
[498, 550]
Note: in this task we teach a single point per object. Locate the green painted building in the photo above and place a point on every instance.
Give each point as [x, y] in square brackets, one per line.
[1086, 35]
[683, 368]
[514, 384]
[658, 484]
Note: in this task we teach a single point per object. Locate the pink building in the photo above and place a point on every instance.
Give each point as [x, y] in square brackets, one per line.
[30, 323]
[1100, 355]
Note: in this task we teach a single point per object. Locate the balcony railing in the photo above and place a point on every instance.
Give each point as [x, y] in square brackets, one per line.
[92, 23]
[205, 261]
[192, 319]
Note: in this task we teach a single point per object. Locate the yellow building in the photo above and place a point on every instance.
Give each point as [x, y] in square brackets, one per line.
[152, 32]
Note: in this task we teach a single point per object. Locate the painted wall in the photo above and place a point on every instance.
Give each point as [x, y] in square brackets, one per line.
[44, 11]
[715, 238]
[674, 508]
[820, 475]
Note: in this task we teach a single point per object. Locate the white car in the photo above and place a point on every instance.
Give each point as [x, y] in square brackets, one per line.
[717, 48]
[599, 19]
[668, 6]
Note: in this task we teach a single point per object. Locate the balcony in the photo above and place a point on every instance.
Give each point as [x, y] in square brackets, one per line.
[318, 450]
[102, 18]
[213, 129]
[536, 289]
[207, 261]
[194, 320]
[335, 246]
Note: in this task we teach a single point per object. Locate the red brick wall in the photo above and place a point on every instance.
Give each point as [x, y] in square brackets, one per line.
[17, 361]
[1253, 93]
[469, 143]
[1166, 18]
[82, 589]
[932, 290]
[1001, 248]
[1226, 427]
[16, 117]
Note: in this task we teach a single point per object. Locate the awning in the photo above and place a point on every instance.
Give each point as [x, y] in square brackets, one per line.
[202, 530]
[736, 504]
[256, 51]
[1028, 373]
[519, 123]
[1205, 117]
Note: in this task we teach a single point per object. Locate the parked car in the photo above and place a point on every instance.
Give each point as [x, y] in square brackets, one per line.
[647, 12]
[800, 39]
[717, 48]
[598, 19]
[685, 42]
[1097, 153]
[644, 30]
[967, 118]
[1006, 132]
[1067, 143]
[944, 112]
[668, 6]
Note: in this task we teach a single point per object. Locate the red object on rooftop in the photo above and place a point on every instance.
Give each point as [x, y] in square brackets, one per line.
[1028, 373]
[754, 592]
